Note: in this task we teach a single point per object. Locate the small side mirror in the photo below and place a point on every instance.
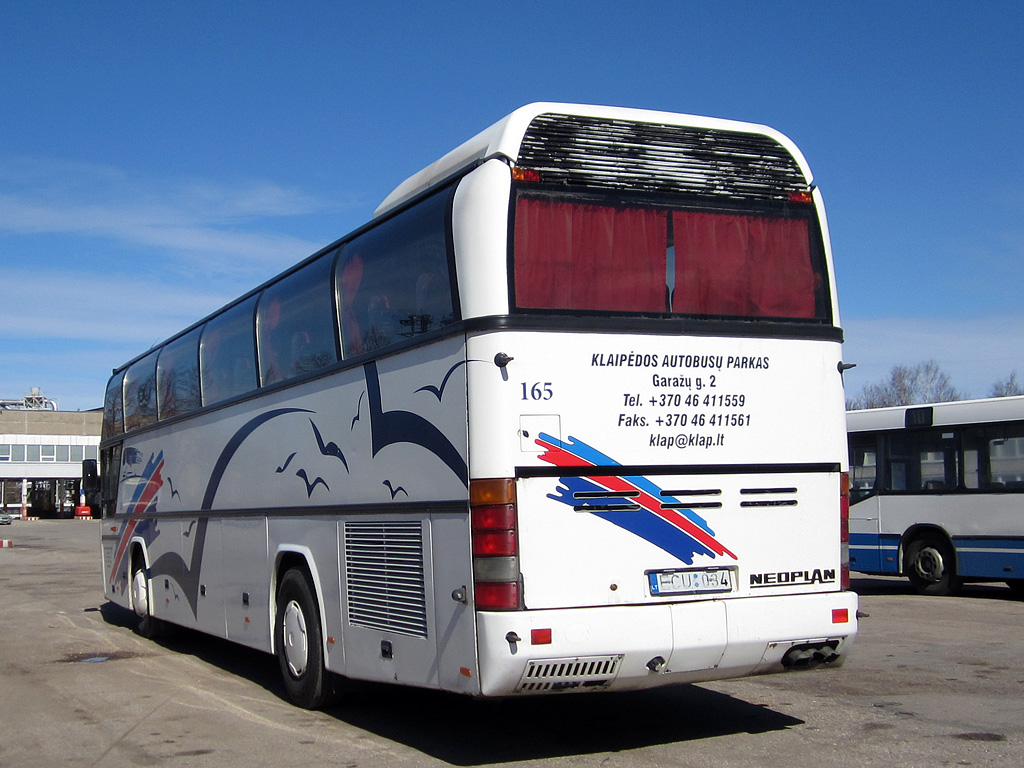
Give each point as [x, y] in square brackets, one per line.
[90, 476]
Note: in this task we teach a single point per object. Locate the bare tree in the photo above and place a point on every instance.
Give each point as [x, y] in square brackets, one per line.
[925, 382]
[1007, 387]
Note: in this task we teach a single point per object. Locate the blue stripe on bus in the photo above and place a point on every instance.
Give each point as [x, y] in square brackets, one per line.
[977, 557]
[989, 557]
[874, 553]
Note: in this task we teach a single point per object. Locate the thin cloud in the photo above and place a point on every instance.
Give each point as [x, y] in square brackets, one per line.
[975, 352]
[192, 222]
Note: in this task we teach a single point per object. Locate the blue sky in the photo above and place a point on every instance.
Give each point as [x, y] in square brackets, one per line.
[158, 159]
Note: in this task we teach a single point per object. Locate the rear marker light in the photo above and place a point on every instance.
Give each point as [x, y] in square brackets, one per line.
[540, 637]
[802, 196]
[840, 616]
[525, 174]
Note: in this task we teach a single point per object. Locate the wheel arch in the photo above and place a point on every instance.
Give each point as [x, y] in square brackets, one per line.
[918, 530]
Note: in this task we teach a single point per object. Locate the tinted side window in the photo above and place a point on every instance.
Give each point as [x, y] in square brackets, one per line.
[393, 281]
[228, 354]
[140, 393]
[113, 406]
[177, 376]
[295, 323]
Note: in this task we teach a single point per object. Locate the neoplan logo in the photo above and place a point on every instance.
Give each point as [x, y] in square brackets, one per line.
[793, 578]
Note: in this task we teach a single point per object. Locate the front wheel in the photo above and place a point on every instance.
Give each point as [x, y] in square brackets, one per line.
[299, 642]
[142, 603]
[929, 565]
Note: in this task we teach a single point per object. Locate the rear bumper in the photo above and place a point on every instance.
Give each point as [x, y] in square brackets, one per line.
[631, 647]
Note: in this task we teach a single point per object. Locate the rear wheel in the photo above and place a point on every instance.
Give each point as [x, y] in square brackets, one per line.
[299, 642]
[929, 565]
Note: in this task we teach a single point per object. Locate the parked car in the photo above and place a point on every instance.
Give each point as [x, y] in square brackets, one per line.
[6, 518]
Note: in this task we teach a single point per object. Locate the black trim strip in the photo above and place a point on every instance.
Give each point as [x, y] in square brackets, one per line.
[654, 325]
[397, 508]
[651, 470]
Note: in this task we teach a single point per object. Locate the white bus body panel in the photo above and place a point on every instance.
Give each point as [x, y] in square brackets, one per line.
[218, 503]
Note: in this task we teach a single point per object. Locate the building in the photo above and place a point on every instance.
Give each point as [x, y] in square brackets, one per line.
[41, 454]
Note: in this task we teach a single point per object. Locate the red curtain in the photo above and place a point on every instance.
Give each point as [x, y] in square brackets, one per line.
[572, 256]
[743, 266]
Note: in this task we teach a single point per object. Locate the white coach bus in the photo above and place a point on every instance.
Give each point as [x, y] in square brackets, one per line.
[938, 493]
[566, 415]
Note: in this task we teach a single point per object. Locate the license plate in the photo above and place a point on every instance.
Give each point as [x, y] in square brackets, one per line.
[690, 582]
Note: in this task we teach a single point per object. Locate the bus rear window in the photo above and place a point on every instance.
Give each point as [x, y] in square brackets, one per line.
[580, 256]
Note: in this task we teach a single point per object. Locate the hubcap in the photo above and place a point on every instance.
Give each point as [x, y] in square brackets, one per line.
[929, 564]
[140, 593]
[296, 652]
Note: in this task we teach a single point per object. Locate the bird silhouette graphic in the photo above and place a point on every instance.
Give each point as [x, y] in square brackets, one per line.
[359, 408]
[311, 485]
[173, 492]
[394, 491]
[328, 449]
[287, 461]
[438, 392]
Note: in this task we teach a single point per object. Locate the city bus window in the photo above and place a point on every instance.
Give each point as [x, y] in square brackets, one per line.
[295, 323]
[140, 393]
[227, 354]
[177, 376]
[863, 467]
[393, 281]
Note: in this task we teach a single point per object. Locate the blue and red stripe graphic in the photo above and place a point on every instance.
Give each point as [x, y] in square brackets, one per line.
[143, 500]
[680, 532]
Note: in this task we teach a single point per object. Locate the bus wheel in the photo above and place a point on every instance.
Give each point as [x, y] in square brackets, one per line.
[930, 567]
[299, 642]
[149, 625]
[1017, 586]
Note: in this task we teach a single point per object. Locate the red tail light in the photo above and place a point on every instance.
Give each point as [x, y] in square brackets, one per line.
[844, 529]
[495, 544]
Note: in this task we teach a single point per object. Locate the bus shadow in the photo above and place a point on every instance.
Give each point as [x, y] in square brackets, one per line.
[466, 731]
[469, 732]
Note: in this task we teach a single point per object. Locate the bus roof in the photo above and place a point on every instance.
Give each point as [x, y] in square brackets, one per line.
[956, 412]
[504, 138]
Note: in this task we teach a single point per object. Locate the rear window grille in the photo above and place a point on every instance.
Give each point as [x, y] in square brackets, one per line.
[618, 154]
[568, 674]
[769, 497]
[384, 576]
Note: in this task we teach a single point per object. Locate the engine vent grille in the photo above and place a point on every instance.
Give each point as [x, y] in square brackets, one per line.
[550, 675]
[618, 154]
[384, 575]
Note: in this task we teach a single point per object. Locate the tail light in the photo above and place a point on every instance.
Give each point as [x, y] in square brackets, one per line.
[492, 505]
[844, 529]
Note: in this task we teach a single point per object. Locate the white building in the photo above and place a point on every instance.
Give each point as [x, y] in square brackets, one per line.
[41, 453]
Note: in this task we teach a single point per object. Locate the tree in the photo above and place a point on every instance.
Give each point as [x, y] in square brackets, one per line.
[925, 382]
[1007, 387]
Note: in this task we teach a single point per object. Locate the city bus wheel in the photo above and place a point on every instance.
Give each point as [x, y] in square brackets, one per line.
[930, 567]
[1017, 586]
[149, 626]
[299, 642]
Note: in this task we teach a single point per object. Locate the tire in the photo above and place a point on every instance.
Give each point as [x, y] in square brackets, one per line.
[1017, 587]
[298, 638]
[930, 566]
[149, 626]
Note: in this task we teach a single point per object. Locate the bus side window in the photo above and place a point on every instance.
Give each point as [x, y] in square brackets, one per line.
[177, 376]
[393, 281]
[113, 406]
[228, 355]
[295, 323]
[140, 393]
[863, 467]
